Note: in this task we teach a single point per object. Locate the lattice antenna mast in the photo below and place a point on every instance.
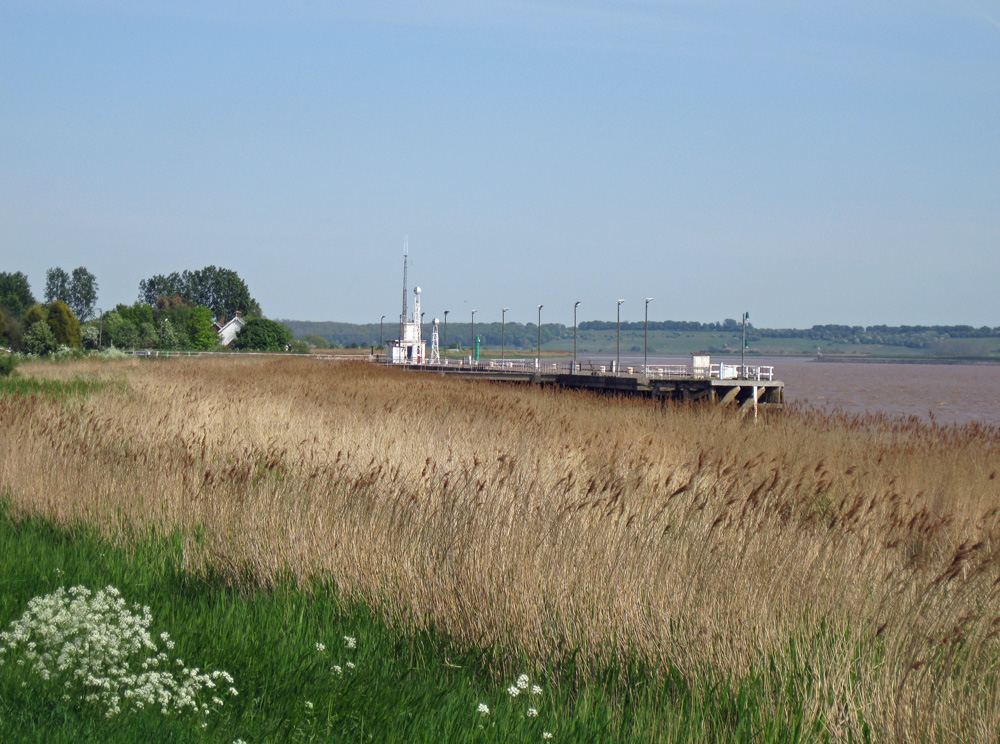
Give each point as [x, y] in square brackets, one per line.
[435, 349]
[402, 317]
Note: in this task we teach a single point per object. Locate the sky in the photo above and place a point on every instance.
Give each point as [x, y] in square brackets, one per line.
[806, 162]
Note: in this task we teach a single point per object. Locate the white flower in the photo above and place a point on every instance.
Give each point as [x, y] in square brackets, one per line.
[522, 681]
[349, 665]
[483, 709]
[546, 734]
[309, 705]
[320, 647]
[536, 690]
[513, 690]
[98, 643]
[532, 712]
[350, 642]
[337, 669]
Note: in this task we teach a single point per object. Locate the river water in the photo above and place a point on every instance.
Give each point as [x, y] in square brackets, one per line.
[945, 393]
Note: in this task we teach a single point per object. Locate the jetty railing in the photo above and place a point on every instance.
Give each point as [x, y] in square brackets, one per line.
[720, 371]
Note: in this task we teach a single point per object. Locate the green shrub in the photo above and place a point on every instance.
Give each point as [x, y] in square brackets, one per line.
[260, 334]
[39, 340]
[8, 363]
[64, 324]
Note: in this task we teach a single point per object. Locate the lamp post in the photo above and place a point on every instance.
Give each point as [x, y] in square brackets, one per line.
[645, 340]
[381, 326]
[575, 306]
[618, 352]
[538, 360]
[743, 346]
[446, 331]
[473, 347]
[503, 321]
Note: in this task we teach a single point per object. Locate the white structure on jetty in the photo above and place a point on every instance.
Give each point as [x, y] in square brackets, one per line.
[409, 348]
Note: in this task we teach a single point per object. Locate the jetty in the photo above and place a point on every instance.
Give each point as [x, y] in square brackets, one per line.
[744, 386]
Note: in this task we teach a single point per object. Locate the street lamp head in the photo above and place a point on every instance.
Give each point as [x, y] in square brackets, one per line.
[649, 299]
[540, 307]
[576, 304]
[504, 309]
[621, 301]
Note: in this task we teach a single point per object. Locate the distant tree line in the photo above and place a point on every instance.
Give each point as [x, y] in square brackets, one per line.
[525, 335]
[516, 335]
[178, 311]
[220, 290]
[915, 337]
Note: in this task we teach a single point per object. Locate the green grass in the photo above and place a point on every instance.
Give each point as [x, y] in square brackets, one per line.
[405, 687]
[78, 387]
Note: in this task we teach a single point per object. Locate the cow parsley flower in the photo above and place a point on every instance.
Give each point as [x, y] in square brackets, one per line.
[532, 713]
[483, 709]
[350, 642]
[522, 681]
[513, 690]
[320, 647]
[96, 646]
[536, 690]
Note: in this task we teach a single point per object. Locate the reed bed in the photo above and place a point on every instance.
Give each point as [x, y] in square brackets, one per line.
[848, 561]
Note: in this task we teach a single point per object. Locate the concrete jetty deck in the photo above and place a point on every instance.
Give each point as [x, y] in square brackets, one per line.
[722, 384]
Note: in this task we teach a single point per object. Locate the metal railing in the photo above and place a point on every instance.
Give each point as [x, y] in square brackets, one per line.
[719, 371]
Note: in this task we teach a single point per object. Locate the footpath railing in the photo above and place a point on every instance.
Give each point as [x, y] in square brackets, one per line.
[719, 371]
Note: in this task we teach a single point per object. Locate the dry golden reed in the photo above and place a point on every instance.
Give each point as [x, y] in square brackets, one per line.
[854, 557]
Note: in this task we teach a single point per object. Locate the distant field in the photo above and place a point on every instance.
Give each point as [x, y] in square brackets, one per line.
[663, 573]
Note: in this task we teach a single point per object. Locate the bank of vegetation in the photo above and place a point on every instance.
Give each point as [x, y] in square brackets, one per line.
[662, 574]
[681, 337]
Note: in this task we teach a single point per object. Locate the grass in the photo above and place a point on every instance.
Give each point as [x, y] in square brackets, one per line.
[404, 687]
[811, 570]
[76, 387]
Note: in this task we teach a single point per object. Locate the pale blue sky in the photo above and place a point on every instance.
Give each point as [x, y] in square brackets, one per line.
[810, 162]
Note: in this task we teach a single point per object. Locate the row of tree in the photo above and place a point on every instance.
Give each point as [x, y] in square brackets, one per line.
[525, 335]
[183, 320]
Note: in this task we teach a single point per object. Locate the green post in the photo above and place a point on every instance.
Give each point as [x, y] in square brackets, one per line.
[477, 348]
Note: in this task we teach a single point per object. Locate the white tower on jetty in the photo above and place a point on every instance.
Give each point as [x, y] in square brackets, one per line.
[410, 347]
[435, 349]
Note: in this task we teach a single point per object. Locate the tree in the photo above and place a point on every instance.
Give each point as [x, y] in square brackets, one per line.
[118, 332]
[39, 340]
[64, 324]
[36, 314]
[13, 329]
[56, 285]
[82, 293]
[15, 293]
[150, 290]
[200, 329]
[260, 334]
[168, 338]
[79, 291]
[220, 290]
[3, 328]
[316, 341]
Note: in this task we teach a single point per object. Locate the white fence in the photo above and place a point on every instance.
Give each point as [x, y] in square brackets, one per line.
[720, 371]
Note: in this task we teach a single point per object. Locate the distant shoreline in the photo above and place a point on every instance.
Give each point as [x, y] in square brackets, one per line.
[906, 360]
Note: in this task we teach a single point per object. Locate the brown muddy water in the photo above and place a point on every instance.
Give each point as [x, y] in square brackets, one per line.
[943, 393]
